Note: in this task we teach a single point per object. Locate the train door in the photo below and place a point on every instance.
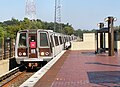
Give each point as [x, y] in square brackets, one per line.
[21, 47]
[44, 44]
[33, 45]
[52, 44]
[57, 50]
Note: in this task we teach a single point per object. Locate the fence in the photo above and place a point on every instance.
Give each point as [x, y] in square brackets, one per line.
[0, 48]
[7, 48]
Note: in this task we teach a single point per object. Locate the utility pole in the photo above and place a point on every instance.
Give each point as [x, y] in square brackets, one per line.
[30, 10]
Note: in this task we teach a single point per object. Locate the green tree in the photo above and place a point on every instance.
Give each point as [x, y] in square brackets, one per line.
[25, 24]
[12, 30]
[13, 21]
[79, 33]
[1, 36]
[1, 33]
[39, 24]
[68, 30]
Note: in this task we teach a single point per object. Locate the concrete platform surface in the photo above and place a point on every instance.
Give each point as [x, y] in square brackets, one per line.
[83, 69]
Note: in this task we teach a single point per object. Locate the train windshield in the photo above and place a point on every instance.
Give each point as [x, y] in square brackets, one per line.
[22, 40]
[43, 39]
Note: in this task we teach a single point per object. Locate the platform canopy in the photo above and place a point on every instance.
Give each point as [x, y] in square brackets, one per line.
[103, 30]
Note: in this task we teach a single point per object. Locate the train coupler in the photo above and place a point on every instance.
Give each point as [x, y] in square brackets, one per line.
[32, 65]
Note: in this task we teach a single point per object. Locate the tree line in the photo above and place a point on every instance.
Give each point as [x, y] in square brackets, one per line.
[9, 28]
[80, 32]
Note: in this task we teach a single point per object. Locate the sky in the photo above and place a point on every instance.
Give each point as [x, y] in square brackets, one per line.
[81, 14]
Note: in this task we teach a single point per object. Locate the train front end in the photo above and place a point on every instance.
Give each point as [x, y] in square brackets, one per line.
[33, 47]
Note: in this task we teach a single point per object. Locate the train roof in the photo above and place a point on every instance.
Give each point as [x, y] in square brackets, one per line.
[35, 30]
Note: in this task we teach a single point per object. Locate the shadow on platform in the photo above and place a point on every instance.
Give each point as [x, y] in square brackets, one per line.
[88, 53]
[98, 63]
[105, 78]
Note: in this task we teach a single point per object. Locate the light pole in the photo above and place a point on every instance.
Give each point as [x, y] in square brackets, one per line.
[110, 21]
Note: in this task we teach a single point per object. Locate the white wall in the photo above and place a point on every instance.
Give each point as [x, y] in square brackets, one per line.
[89, 42]
[4, 66]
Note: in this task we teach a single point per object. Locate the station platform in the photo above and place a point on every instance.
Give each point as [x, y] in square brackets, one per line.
[78, 68]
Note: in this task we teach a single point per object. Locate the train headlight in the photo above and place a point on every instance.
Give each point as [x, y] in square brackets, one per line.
[46, 53]
[24, 54]
[20, 54]
[42, 53]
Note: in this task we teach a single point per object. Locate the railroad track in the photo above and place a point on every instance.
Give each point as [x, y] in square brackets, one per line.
[15, 77]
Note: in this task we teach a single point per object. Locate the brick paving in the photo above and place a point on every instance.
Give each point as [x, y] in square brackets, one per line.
[83, 69]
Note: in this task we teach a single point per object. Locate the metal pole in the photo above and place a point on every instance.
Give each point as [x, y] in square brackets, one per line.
[104, 41]
[111, 36]
[101, 35]
[97, 42]
[4, 48]
[10, 48]
[55, 16]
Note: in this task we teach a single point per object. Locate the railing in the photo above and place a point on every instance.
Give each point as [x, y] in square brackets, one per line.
[7, 49]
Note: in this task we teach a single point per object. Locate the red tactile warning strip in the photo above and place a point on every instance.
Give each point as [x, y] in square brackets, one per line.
[83, 69]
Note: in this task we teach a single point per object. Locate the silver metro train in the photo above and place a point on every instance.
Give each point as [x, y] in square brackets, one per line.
[36, 45]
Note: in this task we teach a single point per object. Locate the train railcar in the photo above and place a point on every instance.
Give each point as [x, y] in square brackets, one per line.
[35, 45]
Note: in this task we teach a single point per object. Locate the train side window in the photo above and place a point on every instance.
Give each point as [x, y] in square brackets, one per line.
[56, 40]
[52, 44]
[43, 39]
[22, 40]
[64, 40]
[69, 39]
[60, 40]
